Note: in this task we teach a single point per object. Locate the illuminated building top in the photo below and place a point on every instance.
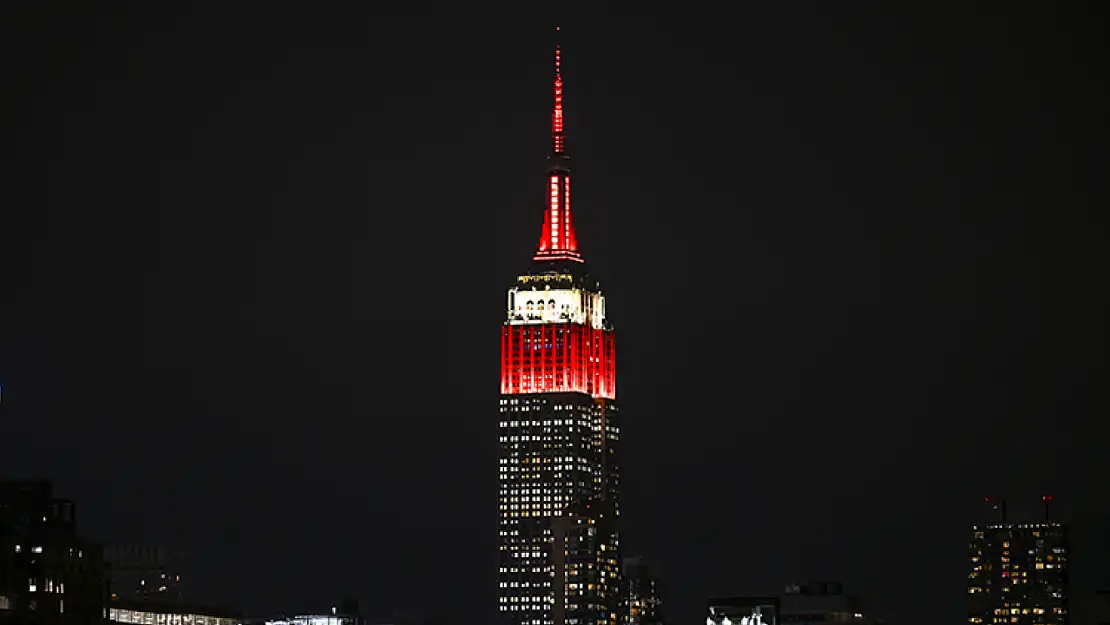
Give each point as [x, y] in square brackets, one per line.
[556, 338]
[556, 298]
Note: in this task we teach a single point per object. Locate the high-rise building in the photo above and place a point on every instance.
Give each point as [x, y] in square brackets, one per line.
[559, 432]
[1018, 572]
[48, 575]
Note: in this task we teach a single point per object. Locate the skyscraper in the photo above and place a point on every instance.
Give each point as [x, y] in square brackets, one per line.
[1018, 571]
[559, 434]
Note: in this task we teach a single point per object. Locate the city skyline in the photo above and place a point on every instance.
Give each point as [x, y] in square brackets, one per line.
[849, 253]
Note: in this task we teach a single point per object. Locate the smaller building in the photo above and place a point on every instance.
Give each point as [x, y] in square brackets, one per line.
[820, 602]
[149, 612]
[641, 597]
[346, 612]
[811, 603]
[48, 574]
[314, 619]
[1018, 572]
[145, 573]
[584, 550]
[743, 611]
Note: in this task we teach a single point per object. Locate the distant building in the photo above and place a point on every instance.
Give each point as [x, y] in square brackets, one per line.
[641, 600]
[820, 602]
[1018, 572]
[144, 573]
[743, 611]
[147, 612]
[346, 612]
[800, 604]
[314, 619]
[587, 567]
[48, 575]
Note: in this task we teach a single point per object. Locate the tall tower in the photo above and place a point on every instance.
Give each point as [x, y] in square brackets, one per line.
[559, 433]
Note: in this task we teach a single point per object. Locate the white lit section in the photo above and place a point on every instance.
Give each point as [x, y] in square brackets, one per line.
[528, 306]
[144, 617]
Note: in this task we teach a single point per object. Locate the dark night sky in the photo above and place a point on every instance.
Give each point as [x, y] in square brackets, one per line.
[256, 277]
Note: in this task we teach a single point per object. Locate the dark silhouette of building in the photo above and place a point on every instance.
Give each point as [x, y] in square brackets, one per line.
[48, 574]
[1018, 572]
[139, 573]
[344, 612]
[820, 602]
[1102, 607]
[559, 433]
[410, 617]
[641, 595]
[811, 603]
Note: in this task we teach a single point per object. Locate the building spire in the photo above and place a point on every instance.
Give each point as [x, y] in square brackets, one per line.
[558, 140]
[558, 241]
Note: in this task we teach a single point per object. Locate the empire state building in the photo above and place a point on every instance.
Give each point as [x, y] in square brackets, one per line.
[559, 430]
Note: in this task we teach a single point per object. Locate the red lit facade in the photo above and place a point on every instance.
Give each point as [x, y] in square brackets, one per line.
[558, 358]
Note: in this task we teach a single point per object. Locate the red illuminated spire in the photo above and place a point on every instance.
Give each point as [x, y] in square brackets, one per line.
[558, 241]
[558, 141]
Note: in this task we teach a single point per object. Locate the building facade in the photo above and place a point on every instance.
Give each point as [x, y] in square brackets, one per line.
[559, 478]
[344, 612]
[1018, 572]
[641, 595]
[147, 611]
[811, 603]
[47, 573]
[145, 573]
[820, 603]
